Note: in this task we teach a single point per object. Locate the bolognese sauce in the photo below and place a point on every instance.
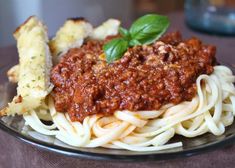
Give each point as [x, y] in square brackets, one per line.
[145, 78]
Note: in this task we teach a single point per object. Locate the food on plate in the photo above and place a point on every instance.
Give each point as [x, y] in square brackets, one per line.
[13, 74]
[108, 28]
[120, 88]
[34, 68]
[70, 35]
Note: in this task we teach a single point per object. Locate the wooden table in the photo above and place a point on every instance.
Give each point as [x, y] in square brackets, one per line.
[16, 154]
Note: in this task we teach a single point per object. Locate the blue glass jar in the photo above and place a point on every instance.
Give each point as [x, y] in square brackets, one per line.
[211, 16]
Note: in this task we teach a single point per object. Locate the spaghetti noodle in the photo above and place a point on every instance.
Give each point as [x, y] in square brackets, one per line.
[211, 110]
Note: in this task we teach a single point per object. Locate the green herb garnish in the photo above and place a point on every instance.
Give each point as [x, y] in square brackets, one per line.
[115, 49]
[144, 30]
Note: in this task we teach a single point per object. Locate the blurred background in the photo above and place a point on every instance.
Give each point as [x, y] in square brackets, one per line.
[54, 12]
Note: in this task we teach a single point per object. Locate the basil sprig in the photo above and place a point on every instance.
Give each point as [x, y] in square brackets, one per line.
[115, 49]
[144, 30]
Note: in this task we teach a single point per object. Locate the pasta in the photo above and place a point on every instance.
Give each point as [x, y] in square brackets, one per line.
[211, 110]
[92, 93]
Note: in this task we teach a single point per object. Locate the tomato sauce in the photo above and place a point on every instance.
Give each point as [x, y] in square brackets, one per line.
[145, 78]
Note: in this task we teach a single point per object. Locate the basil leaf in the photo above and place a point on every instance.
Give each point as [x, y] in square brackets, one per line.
[134, 42]
[149, 28]
[124, 32]
[115, 49]
[144, 30]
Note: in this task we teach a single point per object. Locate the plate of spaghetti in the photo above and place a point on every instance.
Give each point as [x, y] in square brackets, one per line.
[108, 92]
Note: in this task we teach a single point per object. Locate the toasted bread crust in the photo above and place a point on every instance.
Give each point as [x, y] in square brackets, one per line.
[27, 24]
[13, 74]
[17, 31]
[78, 19]
[3, 111]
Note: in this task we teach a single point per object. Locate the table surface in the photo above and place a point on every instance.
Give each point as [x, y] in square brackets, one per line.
[16, 154]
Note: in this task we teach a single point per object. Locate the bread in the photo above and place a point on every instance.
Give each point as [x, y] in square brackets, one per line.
[71, 34]
[34, 67]
[13, 74]
[108, 28]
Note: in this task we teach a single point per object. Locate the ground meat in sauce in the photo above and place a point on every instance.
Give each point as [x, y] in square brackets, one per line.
[145, 78]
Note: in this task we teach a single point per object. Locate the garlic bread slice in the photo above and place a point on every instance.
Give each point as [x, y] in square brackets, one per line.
[70, 35]
[34, 67]
[108, 28]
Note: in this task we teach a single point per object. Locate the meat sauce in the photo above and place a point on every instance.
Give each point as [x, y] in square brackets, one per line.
[145, 78]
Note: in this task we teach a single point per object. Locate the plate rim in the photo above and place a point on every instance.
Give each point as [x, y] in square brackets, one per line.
[76, 153]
